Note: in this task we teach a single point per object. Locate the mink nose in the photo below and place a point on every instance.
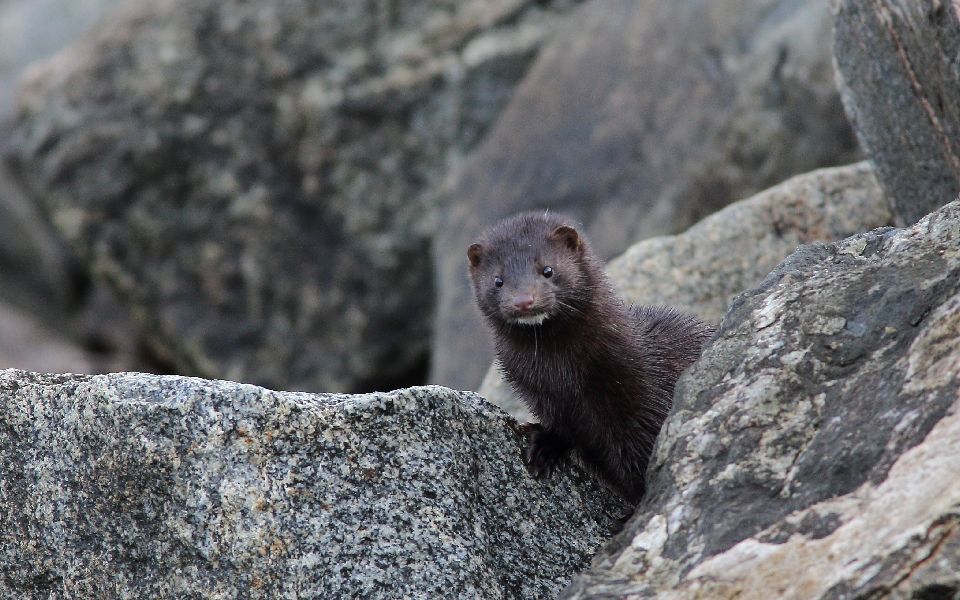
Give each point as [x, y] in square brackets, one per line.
[523, 302]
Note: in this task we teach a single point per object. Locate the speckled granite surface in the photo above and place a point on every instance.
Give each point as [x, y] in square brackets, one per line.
[145, 486]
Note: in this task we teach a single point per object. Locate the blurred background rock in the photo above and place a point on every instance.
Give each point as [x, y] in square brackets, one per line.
[52, 316]
[638, 119]
[32, 30]
[280, 192]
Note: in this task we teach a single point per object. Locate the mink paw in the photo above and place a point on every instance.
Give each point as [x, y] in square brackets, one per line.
[545, 452]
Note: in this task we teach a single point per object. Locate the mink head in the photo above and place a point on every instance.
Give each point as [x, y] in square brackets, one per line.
[530, 269]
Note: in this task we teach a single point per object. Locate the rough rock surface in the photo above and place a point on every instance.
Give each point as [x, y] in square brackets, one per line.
[32, 30]
[33, 264]
[33, 260]
[898, 64]
[702, 269]
[52, 317]
[640, 118]
[254, 179]
[811, 452]
[142, 486]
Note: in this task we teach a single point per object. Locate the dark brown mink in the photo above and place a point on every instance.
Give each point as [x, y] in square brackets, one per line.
[598, 374]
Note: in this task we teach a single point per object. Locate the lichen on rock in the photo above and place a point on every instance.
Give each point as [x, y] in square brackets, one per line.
[807, 453]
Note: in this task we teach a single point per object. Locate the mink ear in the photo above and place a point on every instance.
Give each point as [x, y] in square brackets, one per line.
[569, 236]
[474, 252]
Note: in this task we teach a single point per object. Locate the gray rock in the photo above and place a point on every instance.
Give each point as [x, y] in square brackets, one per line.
[255, 179]
[640, 118]
[52, 317]
[32, 30]
[142, 486]
[495, 389]
[34, 262]
[25, 343]
[898, 68]
[702, 269]
[811, 452]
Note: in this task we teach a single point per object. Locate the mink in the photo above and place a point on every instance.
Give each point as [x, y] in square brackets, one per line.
[598, 374]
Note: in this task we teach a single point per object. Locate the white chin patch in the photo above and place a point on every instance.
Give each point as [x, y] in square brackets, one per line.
[532, 320]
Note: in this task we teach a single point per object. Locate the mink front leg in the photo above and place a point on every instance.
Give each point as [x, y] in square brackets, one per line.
[546, 450]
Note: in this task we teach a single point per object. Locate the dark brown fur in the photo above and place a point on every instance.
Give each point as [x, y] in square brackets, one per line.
[597, 373]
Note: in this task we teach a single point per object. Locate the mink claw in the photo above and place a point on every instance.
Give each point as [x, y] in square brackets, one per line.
[530, 428]
[543, 454]
[533, 460]
[527, 455]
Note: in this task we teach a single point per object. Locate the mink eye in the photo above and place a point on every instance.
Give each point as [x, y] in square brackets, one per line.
[498, 281]
[548, 271]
